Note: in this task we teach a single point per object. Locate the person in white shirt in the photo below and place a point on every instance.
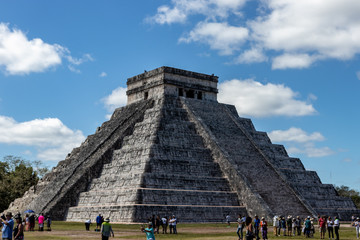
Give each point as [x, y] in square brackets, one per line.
[336, 227]
[357, 227]
[330, 227]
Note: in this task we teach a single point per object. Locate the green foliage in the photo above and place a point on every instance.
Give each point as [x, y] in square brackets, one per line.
[347, 192]
[16, 177]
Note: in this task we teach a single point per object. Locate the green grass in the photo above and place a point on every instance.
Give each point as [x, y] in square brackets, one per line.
[76, 231]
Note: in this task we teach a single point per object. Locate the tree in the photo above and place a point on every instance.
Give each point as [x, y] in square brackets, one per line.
[345, 191]
[17, 175]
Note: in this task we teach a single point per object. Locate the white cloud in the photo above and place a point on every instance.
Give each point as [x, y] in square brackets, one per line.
[294, 34]
[253, 55]
[294, 134]
[219, 36]
[301, 142]
[292, 61]
[117, 98]
[255, 99]
[182, 9]
[329, 28]
[50, 136]
[358, 75]
[19, 55]
[103, 74]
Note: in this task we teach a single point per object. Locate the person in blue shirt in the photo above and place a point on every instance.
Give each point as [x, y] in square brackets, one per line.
[149, 231]
[257, 227]
[7, 226]
[99, 221]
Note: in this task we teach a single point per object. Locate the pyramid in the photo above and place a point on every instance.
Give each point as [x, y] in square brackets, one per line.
[174, 150]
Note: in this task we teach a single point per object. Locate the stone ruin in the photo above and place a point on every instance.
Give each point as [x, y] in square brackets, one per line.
[175, 150]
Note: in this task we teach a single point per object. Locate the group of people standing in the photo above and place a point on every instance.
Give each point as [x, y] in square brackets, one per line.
[15, 229]
[164, 222]
[249, 228]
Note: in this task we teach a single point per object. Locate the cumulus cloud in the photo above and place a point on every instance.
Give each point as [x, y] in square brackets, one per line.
[50, 136]
[294, 134]
[255, 99]
[292, 34]
[117, 98]
[301, 142]
[182, 9]
[20, 55]
[253, 55]
[219, 36]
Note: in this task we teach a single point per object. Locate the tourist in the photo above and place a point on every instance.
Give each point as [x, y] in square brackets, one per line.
[41, 220]
[307, 227]
[264, 227]
[322, 226]
[275, 225]
[294, 227]
[106, 230]
[289, 225]
[357, 227]
[312, 228]
[87, 224]
[32, 222]
[283, 225]
[98, 222]
[298, 225]
[330, 228]
[48, 223]
[257, 227]
[19, 229]
[27, 222]
[170, 224]
[149, 231]
[174, 223]
[7, 226]
[165, 224]
[241, 224]
[157, 224]
[249, 229]
[227, 219]
[336, 227]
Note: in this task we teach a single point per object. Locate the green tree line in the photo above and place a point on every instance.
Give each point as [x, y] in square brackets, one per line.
[17, 175]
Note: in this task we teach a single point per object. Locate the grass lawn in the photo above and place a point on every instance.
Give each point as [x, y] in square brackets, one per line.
[76, 231]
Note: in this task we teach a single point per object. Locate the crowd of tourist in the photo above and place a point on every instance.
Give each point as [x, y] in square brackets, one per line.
[15, 229]
[249, 228]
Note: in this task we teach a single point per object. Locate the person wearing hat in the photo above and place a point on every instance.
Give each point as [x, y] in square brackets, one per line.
[7, 226]
[336, 227]
[264, 228]
[149, 231]
[330, 227]
[256, 227]
[106, 230]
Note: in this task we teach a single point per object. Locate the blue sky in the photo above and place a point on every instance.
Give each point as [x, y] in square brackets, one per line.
[291, 66]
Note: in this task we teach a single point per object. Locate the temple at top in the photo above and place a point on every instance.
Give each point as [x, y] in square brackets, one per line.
[173, 82]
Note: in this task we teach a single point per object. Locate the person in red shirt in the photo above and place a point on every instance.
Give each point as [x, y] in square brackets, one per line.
[322, 225]
[41, 220]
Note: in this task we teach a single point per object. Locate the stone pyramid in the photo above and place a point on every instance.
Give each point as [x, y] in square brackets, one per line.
[175, 150]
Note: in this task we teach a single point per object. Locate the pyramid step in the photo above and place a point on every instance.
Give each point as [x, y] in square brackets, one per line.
[158, 196]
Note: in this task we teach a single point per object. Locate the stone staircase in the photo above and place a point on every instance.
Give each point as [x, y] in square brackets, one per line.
[162, 168]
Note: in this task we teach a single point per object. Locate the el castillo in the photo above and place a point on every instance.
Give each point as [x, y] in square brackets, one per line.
[174, 149]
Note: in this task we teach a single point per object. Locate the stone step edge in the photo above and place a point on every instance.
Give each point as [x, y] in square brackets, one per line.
[161, 189]
[153, 205]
